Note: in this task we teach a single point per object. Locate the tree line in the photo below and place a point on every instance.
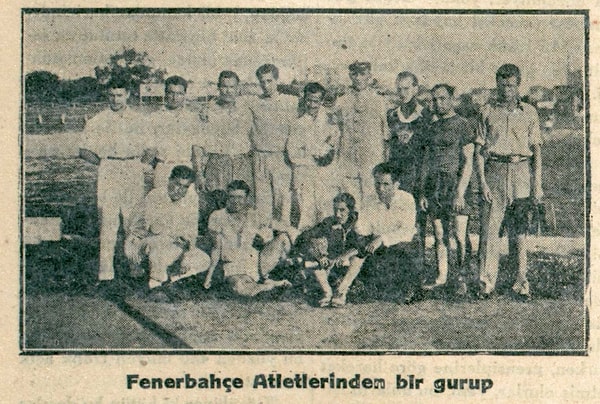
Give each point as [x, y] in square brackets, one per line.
[42, 86]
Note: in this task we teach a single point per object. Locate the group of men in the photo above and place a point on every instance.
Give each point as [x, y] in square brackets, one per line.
[285, 164]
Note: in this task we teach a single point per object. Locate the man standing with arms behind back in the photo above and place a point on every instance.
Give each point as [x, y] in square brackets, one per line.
[174, 126]
[222, 150]
[364, 135]
[114, 140]
[507, 147]
[272, 113]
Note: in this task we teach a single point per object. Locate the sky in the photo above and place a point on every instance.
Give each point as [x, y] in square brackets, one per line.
[462, 50]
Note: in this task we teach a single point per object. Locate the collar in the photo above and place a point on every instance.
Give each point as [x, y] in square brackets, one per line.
[498, 103]
[417, 113]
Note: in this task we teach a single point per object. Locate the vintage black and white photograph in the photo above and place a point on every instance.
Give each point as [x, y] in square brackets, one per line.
[304, 181]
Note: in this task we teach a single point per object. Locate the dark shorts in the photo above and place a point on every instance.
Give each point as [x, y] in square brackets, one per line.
[440, 190]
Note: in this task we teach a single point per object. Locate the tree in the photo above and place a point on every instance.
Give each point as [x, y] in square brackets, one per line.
[41, 86]
[83, 89]
[131, 66]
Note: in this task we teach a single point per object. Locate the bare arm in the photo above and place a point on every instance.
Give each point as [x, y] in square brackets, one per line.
[199, 164]
[485, 189]
[465, 176]
[538, 193]
[89, 156]
[215, 256]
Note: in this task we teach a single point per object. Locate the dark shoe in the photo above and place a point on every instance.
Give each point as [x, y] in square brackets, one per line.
[524, 298]
[461, 290]
[158, 295]
[410, 297]
[109, 290]
[486, 296]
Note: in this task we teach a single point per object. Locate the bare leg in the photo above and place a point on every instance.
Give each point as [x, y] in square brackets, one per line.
[273, 252]
[321, 275]
[245, 286]
[441, 254]
[460, 228]
[353, 270]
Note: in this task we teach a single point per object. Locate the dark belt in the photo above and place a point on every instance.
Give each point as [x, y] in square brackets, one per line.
[122, 158]
[512, 158]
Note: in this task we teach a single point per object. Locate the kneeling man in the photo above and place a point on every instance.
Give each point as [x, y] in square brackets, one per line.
[164, 228]
[238, 231]
[390, 224]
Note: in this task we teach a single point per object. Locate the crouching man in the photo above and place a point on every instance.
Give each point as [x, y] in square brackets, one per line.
[389, 222]
[163, 229]
[238, 232]
[333, 244]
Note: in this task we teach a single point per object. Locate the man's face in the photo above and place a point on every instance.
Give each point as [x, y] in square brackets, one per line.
[426, 100]
[178, 188]
[237, 200]
[174, 96]
[385, 187]
[443, 103]
[361, 80]
[268, 84]
[312, 103]
[341, 212]
[406, 90]
[228, 89]
[117, 98]
[508, 88]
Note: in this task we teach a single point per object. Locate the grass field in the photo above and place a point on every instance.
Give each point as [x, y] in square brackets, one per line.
[62, 310]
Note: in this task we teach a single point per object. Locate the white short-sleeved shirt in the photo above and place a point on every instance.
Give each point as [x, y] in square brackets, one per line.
[157, 214]
[173, 134]
[505, 132]
[227, 129]
[393, 225]
[271, 118]
[120, 134]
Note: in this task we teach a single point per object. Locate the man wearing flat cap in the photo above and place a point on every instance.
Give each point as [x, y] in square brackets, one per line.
[363, 124]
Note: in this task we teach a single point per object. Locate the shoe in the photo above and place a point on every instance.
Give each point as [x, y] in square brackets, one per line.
[410, 297]
[486, 296]
[339, 300]
[523, 298]
[325, 301]
[434, 285]
[158, 295]
[461, 289]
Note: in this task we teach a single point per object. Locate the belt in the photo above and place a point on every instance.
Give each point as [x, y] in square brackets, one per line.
[122, 158]
[512, 158]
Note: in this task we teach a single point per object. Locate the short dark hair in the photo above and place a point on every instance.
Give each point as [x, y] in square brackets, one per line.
[237, 185]
[227, 74]
[406, 74]
[386, 168]
[119, 82]
[314, 88]
[445, 86]
[508, 70]
[268, 68]
[347, 198]
[176, 81]
[183, 172]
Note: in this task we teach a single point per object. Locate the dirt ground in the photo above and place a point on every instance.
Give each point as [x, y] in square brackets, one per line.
[59, 322]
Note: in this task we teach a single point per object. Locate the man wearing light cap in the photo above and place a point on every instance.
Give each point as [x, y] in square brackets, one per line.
[363, 141]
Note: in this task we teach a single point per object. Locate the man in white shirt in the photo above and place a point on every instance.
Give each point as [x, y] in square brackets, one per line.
[164, 228]
[272, 114]
[222, 149]
[115, 140]
[174, 127]
[310, 147]
[390, 224]
[364, 137]
[236, 230]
